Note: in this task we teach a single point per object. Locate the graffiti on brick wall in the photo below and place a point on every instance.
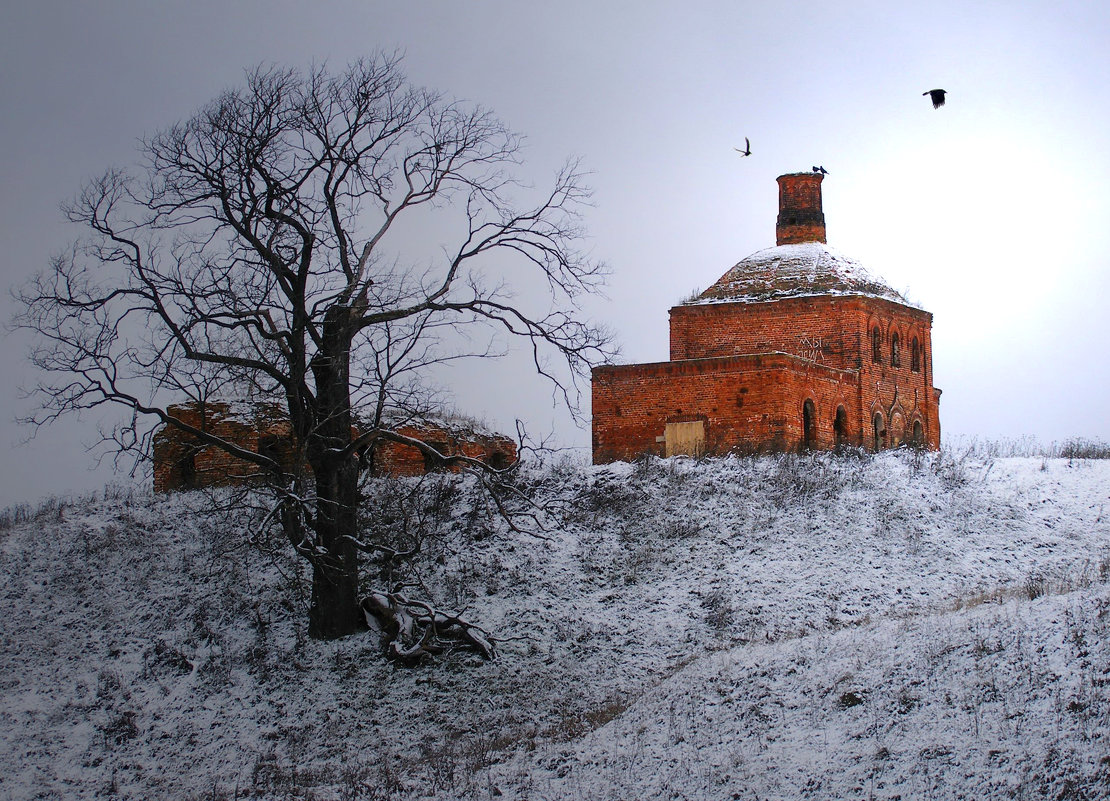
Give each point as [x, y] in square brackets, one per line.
[812, 348]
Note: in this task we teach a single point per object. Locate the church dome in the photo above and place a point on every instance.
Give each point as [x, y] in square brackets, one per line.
[796, 270]
[801, 264]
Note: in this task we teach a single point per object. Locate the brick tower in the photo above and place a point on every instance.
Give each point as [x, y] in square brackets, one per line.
[801, 218]
[797, 346]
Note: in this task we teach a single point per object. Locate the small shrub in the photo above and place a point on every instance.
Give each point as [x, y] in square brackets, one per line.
[848, 700]
[692, 297]
[1084, 449]
[11, 516]
[646, 466]
[120, 728]
[719, 614]
[607, 496]
[680, 529]
[1035, 586]
[638, 562]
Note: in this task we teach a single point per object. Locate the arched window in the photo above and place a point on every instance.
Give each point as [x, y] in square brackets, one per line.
[918, 434]
[433, 463]
[840, 427]
[895, 433]
[809, 425]
[277, 448]
[878, 431]
[185, 470]
[915, 356]
[876, 344]
[895, 351]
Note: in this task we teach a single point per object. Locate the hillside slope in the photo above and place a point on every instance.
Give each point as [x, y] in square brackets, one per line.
[762, 627]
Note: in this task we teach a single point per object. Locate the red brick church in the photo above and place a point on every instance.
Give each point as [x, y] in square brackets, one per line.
[795, 347]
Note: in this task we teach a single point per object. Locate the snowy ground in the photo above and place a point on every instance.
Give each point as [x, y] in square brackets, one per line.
[819, 627]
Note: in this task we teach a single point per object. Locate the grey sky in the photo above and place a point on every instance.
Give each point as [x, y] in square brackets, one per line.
[990, 212]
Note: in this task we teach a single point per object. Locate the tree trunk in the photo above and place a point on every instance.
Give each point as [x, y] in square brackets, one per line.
[335, 611]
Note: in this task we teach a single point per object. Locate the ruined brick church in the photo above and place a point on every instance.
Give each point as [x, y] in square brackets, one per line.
[795, 347]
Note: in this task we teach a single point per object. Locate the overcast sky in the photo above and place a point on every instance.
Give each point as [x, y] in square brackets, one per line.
[991, 212]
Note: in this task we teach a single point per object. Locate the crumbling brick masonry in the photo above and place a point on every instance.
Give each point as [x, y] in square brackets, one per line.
[182, 462]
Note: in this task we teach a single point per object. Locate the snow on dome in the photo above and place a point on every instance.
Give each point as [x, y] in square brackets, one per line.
[791, 271]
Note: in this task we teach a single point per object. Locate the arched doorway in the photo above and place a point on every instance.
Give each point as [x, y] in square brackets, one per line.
[809, 425]
[918, 434]
[877, 431]
[840, 427]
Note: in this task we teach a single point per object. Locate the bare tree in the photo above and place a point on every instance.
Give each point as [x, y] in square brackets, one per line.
[253, 250]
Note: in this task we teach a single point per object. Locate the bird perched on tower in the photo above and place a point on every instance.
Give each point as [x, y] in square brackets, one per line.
[821, 170]
[937, 96]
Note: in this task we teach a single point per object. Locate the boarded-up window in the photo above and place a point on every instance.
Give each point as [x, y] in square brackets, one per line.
[685, 439]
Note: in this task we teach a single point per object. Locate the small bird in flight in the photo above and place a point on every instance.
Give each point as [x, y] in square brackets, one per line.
[747, 151]
[821, 170]
[937, 96]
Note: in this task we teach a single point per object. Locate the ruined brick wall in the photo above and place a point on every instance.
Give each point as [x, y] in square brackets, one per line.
[182, 462]
[747, 403]
[396, 459]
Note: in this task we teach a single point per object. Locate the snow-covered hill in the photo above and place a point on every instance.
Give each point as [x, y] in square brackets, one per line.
[907, 625]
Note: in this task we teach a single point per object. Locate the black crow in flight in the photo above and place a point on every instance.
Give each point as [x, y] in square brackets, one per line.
[747, 151]
[937, 96]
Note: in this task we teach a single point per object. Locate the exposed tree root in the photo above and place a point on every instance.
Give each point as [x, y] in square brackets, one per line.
[415, 628]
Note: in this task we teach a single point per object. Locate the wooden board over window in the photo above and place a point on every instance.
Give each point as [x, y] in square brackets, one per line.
[685, 439]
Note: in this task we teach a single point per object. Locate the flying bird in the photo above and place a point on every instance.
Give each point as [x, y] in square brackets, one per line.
[747, 151]
[821, 170]
[937, 96]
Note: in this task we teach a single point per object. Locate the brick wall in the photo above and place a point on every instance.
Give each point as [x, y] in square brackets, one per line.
[899, 392]
[823, 329]
[747, 370]
[801, 218]
[182, 462]
[397, 459]
[748, 403]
